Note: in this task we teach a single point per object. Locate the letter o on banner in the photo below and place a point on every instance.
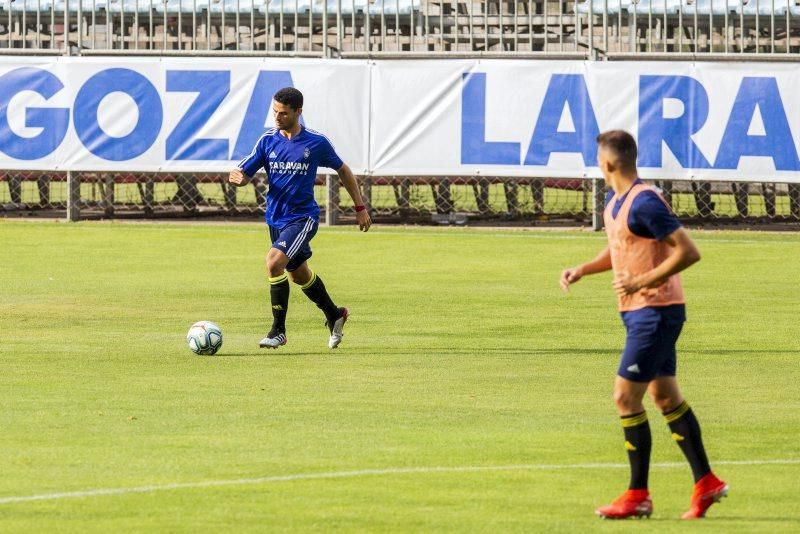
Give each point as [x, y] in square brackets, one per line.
[143, 135]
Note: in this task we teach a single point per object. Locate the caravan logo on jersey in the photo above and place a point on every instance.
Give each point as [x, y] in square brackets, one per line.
[291, 168]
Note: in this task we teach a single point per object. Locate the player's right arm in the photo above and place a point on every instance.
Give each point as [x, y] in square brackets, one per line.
[601, 263]
[238, 178]
[248, 167]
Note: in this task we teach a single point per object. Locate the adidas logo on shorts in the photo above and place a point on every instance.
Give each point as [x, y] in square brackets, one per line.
[282, 243]
[634, 368]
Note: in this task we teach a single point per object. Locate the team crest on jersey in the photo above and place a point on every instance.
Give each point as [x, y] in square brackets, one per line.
[306, 153]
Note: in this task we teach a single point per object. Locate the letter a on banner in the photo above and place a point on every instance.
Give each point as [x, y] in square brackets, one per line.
[475, 149]
[563, 90]
[260, 109]
[776, 142]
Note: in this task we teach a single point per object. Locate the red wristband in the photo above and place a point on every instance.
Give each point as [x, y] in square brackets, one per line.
[360, 208]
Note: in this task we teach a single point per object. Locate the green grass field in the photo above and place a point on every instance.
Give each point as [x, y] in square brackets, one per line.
[462, 355]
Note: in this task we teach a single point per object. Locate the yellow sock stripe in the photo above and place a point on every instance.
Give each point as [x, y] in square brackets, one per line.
[677, 413]
[310, 282]
[635, 420]
[278, 279]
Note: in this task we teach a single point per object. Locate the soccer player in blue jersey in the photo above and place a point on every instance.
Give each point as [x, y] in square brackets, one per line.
[647, 248]
[291, 154]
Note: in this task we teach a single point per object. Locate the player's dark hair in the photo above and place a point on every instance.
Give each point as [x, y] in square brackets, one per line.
[622, 144]
[289, 96]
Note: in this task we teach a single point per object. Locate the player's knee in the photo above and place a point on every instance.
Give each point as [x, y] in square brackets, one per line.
[299, 278]
[275, 265]
[665, 403]
[626, 402]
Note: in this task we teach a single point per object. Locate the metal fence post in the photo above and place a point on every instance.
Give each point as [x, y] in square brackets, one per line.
[79, 27]
[597, 205]
[73, 197]
[366, 191]
[332, 204]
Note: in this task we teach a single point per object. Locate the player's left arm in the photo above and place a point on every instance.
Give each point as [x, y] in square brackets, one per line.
[349, 183]
[684, 254]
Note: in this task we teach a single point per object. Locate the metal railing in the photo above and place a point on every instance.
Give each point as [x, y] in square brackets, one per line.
[407, 199]
[348, 28]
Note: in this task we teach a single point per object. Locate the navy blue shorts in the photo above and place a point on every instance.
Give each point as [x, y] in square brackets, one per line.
[294, 240]
[650, 342]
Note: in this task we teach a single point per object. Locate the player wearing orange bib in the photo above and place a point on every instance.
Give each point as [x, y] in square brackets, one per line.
[647, 248]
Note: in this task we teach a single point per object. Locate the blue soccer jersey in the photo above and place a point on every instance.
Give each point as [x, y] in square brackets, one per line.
[291, 166]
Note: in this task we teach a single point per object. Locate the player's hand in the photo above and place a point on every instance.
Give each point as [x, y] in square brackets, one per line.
[364, 220]
[570, 276]
[237, 177]
[625, 284]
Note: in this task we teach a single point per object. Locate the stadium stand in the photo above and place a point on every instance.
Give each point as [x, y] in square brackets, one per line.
[335, 27]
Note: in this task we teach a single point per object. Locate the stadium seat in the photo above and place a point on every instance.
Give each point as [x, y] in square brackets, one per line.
[287, 7]
[348, 6]
[598, 6]
[180, 6]
[658, 7]
[710, 7]
[29, 6]
[318, 6]
[130, 6]
[390, 7]
[765, 8]
[753, 7]
[781, 8]
[394, 7]
[244, 7]
[72, 5]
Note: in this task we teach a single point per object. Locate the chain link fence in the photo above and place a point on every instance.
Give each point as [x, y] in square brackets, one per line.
[407, 199]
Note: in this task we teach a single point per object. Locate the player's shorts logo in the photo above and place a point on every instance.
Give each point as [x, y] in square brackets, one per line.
[634, 368]
[306, 153]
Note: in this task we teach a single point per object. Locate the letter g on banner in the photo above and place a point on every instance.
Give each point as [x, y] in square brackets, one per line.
[53, 121]
[147, 127]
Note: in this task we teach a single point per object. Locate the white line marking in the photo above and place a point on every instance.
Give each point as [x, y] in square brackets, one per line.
[359, 473]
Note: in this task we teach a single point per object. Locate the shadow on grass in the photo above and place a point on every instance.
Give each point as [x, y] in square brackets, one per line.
[746, 519]
[424, 351]
[724, 352]
[478, 351]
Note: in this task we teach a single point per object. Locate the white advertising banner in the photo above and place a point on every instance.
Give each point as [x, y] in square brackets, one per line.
[721, 121]
[168, 114]
[714, 121]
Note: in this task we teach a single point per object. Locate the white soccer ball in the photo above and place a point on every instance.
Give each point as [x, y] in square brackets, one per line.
[204, 338]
